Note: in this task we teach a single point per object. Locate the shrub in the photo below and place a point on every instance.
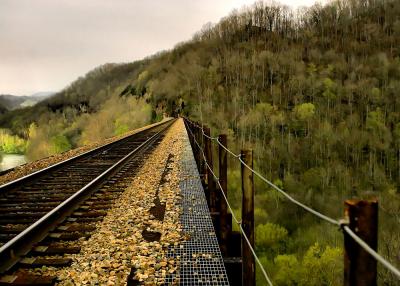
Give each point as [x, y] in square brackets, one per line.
[270, 236]
[288, 272]
[59, 144]
[12, 144]
[322, 266]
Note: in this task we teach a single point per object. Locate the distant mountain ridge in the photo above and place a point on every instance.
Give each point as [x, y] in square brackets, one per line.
[12, 102]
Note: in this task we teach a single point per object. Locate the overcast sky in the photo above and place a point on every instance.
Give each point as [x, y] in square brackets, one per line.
[46, 44]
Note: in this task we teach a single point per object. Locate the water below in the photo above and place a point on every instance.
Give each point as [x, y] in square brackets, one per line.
[9, 161]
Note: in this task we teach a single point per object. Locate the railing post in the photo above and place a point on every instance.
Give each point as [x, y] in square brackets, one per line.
[189, 126]
[248, 268]
[223, 207]
[195, 147]
[201, 142]
[210, 177]
[360, 268]
[199, 149]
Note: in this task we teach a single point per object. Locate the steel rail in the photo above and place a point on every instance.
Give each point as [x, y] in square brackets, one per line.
[15, 183]
[13, 250]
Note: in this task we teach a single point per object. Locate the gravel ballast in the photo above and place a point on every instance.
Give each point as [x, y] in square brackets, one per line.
[119, 248]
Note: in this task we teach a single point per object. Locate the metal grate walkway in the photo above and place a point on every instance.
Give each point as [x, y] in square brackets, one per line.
[200, 258]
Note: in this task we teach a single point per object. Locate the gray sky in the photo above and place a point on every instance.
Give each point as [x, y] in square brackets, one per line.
[46, 44]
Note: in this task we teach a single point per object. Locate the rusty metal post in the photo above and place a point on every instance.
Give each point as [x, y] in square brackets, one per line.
[223, 207]
[210, 177]
[194, 145]
[193, 138]
[248, 268]
[189, 126]
[199, 155]
[360, 268]
[201, 150]
[202, 143]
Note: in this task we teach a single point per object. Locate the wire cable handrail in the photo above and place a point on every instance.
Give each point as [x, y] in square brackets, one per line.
[310, 210]
[372, 252]
[233, 215]
[227, 150]
[290, 198]
[345, 227]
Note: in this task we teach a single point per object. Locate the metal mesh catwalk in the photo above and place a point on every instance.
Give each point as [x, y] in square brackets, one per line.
[200, 260]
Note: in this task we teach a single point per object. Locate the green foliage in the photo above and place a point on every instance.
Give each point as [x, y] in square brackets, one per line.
[267, 264]
[47, 139]
[312, 69]
[273, 193]
[322, 266]
[318, 266]
[270, 236]
[375, 94]
[55, 134]
[59, 144]
[11, 144]
[116, 116]
[289, 270]
[376, 125]
[312, 178]
[234, 184]
[120, 128]
[264, 108]
[317, 101]
[238, 215]
[260, 215]
[329, 87]
[304, 111]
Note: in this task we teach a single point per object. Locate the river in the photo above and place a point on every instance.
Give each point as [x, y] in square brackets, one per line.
[11, 160]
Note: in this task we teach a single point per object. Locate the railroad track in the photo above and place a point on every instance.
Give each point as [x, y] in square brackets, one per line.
[42, 215]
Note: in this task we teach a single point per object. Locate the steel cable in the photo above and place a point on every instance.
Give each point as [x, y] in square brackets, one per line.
[233, 215]
[314, 212]
[372, 252]
[356, 238]
[227, 150]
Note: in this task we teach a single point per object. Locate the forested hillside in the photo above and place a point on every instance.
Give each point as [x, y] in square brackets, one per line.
[314, 92]
[3, 109]
[90, 109]
[11, 102]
